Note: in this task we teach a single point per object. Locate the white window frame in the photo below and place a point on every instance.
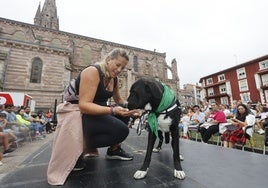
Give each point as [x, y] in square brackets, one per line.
[209, 81]
[245, 97]
[266, 95]
[264, 79]
[243, 85]
[211, 101]
[224, 100]
[241, 73]
[223, 89]
[221, 77]
[263, 64]
[210, 91]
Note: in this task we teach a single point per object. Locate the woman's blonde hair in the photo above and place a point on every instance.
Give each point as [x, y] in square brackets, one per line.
[115, 53]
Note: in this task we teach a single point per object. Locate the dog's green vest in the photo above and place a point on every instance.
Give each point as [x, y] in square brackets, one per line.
[166, 101]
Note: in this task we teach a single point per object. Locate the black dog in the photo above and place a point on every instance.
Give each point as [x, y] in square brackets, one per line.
[147, 94]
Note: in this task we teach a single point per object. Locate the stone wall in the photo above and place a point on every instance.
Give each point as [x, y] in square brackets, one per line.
[63, 56]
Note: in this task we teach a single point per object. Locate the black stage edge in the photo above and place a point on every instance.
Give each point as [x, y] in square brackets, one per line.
[206, 166]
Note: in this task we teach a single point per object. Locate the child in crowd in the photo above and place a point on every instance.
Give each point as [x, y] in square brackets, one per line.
[186, 121]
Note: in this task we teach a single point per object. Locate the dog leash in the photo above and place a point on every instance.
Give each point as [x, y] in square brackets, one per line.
[140, 126]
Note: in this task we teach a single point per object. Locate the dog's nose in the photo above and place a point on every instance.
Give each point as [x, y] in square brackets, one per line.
[124, 105]
[130, 106]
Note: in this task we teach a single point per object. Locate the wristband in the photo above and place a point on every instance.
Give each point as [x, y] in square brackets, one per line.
[112, 110]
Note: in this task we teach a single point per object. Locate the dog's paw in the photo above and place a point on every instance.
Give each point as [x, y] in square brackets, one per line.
[156, 150]
[179, 174]
[140, 174]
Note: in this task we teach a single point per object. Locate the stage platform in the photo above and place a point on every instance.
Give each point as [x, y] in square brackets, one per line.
[205, 165]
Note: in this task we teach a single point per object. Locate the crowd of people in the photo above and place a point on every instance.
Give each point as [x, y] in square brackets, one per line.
[98, 124]
[237, 122]
[19, 124]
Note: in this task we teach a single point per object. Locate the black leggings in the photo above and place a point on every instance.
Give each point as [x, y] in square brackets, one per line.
[104, 130]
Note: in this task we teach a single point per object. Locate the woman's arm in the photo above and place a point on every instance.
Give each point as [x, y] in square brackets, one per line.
[4, 123]
[238, 122]
[89, 81]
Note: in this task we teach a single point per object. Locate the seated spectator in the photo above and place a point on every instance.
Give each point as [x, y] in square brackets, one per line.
[211, 126]
[198, 117]
[48, 115]
[262, 115]
[250, 106]
[12, 120]
[233, 108]
[7, 130]
[32, 125]
[4, 141]
[226, 111]
[47, 123]
[205, 107]
[185, 121]
[195, 120]
[33, 118]
[236, 133]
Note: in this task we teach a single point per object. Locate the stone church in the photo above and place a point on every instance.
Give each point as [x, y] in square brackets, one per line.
[39, 59]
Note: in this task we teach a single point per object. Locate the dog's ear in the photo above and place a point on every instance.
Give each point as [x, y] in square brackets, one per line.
[154, 88]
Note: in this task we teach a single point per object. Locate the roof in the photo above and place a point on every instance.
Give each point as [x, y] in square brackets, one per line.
[259, 59]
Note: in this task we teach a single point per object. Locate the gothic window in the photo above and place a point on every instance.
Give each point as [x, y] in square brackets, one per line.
[135, 63]
[36, 71]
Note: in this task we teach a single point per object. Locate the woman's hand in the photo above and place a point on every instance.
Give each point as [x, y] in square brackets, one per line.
[118, 110]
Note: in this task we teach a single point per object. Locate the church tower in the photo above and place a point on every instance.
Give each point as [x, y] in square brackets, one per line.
[48, 16]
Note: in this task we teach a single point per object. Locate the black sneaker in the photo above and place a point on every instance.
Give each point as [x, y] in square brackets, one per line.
[80, 165]
[6, 152]
[119, 154]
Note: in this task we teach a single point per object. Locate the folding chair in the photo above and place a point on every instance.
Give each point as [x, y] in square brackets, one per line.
[249, 138]
[18, 142]
[193, 128]
[218, 141]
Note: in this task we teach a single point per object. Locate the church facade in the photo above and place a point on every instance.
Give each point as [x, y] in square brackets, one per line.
[39, 60]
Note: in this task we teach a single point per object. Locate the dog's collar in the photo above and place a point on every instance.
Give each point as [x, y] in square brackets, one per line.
[169, 109]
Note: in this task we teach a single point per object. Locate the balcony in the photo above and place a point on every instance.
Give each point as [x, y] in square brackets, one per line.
[218, 95]
[216, 84]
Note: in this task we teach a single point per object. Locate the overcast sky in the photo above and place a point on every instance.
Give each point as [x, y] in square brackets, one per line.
[204, 36]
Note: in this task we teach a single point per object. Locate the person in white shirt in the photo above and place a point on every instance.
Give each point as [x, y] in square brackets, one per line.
[226, 110]
[198, 117]
[185, 121]
[262, 115]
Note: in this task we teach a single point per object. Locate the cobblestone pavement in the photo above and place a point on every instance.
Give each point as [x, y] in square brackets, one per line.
[13, 160]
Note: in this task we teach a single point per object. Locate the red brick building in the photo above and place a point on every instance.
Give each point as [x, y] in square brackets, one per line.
[246, 82]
